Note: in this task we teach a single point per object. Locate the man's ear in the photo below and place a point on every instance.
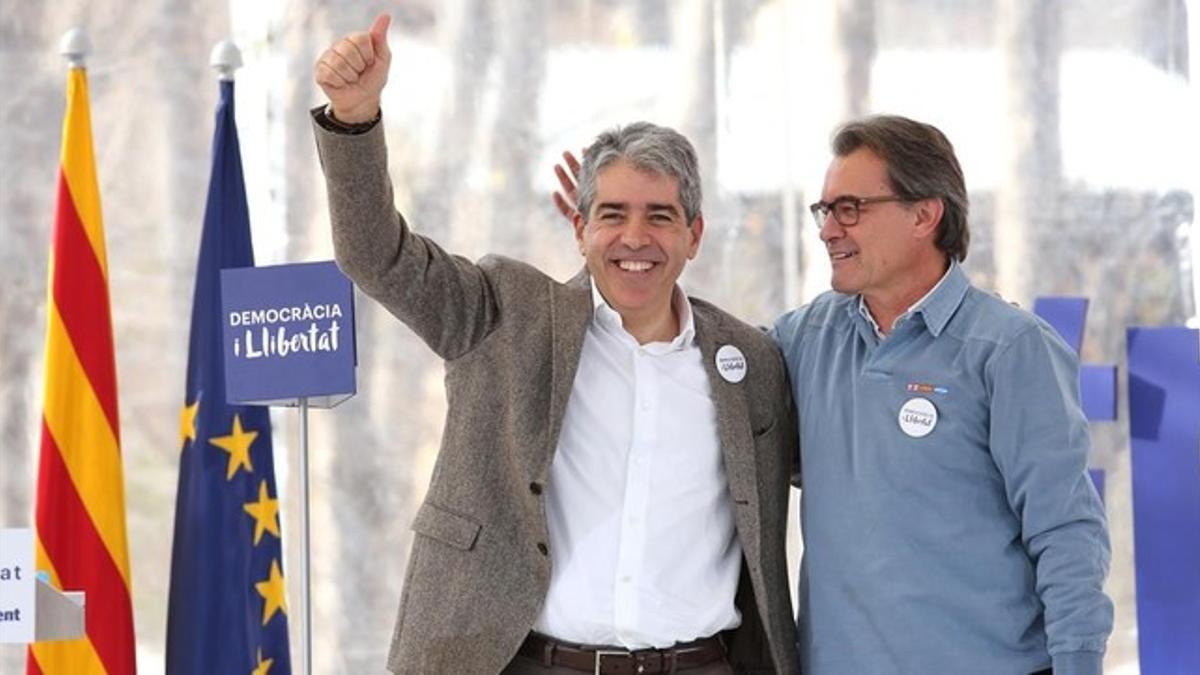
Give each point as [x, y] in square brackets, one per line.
[929, 217]
[697, 230]
[578, 223]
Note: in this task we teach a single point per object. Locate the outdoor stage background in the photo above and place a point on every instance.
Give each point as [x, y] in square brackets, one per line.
[1075, 123]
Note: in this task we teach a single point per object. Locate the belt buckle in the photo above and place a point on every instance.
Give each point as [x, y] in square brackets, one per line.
[601, 653]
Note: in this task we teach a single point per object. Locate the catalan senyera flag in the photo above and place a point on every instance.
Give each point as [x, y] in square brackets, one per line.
[227, 611]
[80, 513]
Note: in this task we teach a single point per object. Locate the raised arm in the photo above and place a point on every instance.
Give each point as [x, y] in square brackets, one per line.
[447, 300]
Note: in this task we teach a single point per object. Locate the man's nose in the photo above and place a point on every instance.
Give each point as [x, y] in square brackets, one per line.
[830, 228]
[635, 234]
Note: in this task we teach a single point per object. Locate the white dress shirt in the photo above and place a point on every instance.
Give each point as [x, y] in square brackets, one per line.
[642, 535]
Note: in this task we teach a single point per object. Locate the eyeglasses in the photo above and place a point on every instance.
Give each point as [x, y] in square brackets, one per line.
[845, 209]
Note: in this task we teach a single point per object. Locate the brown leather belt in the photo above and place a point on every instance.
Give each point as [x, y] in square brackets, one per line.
[614, 661]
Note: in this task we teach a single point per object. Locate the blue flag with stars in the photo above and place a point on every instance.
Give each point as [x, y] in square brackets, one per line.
[227, 612]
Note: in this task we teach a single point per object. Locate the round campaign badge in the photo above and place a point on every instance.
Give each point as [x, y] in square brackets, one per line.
[918, 417]
[731, 364]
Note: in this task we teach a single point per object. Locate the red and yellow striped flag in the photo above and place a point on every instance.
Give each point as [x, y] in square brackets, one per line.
[81, 492]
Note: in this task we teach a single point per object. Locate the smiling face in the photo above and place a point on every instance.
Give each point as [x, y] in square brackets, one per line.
[879, 256]
[636, 240]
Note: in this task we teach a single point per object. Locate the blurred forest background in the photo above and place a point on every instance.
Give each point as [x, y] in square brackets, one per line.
[1075, 122]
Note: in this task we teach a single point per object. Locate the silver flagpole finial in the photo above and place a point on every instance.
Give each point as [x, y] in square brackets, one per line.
[226, 58]
[75, 46]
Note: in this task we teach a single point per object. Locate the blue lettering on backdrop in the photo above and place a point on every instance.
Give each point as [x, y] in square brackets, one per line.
[1164, 423]
[1098, 480]
[1067, 315]
[1097, 383]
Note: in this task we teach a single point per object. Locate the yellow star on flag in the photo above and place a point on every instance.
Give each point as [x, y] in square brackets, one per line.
[265, 512]
[272, 592]
[263, 666]
[237, 444]
[187, 423]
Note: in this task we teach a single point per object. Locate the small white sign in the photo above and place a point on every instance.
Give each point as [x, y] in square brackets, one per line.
[731, 364]
[918, 417]
[18, 581]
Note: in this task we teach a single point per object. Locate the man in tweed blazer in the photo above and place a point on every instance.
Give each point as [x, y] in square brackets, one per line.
[563, 506]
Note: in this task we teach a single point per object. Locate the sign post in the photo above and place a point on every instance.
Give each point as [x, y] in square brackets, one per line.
[289, 341]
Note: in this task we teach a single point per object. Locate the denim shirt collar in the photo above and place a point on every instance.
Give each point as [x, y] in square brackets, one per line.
[935, 308]
[945, 299]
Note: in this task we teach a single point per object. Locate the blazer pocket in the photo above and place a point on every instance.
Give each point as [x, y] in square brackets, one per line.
[449, 528]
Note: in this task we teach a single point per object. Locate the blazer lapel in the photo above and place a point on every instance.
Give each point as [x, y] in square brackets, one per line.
[733, 417]
[570, 312]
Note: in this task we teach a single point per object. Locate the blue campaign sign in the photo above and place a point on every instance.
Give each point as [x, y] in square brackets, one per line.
[288, 334]
[1164, 423]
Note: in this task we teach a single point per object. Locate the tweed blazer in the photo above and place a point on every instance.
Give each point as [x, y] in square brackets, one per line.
[511, 338]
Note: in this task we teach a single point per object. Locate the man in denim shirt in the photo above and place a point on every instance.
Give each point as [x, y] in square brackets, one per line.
[949, 523]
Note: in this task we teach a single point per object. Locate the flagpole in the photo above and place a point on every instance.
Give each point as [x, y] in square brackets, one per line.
[226, 58]
[79, 509]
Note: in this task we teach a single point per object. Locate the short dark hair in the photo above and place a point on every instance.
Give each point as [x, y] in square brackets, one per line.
[648, 147]
[921, 164]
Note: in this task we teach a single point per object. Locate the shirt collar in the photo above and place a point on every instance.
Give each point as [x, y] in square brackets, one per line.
[936, 306]
[940, 303]
[607, 317]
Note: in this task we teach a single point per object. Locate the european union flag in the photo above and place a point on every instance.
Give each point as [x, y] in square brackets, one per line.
[227, 611]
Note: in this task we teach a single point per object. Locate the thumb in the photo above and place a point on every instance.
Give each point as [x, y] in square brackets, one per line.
[379, 31]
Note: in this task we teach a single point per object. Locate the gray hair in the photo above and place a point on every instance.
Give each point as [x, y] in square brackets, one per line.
[650, 148]
[921, 165]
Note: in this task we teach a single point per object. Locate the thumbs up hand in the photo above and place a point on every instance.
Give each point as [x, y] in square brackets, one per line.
[353, 70]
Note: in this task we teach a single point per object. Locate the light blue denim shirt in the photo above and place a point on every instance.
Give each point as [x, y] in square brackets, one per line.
[978, 547]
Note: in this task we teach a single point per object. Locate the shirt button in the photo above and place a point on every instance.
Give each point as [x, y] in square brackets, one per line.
[542, 548]
[535, 487]
[626, 579]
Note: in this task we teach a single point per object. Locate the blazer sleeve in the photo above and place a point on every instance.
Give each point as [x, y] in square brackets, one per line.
[445, 299]
[792, 432]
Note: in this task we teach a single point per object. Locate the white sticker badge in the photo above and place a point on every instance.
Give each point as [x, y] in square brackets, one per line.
[731, 364]
[918, 417]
